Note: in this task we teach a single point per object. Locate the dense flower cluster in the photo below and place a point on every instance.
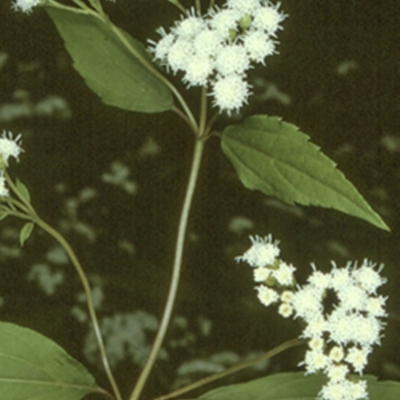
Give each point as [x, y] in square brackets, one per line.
[339, 341]
[218, 48]
[9, 147]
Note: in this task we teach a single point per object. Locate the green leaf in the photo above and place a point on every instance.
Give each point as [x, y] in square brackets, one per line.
[33, 367]
[295, 386]
[23, 190]
[106, 65]
[276, 158]
[25, 232]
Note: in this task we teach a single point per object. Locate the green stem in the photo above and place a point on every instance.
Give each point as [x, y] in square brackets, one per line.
[86, 286]
[276, 350]
[178, 5]
[176, 271]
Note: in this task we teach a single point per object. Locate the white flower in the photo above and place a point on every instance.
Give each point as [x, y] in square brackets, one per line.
[315, 328]
[352, 297]
[307, 303]
[207, 43]
[357, 390]
[190, 27]
[223, 21]
[269, 19]
[230, 93]
[9, 147]
[244, 6]
[25, 5]
[340, 277]
[3, 189]
[217, 49]
[336, 354]
[258, 45]
[337, 373]
[261, 274]
[232, 59]
[286, 310]
[266, 295]
[319, 279]
[358, 358]
[335, 391]
[197, 70]
[284, 274]
[375, 306]
[344, 390]
[314, 361]
[263, 252]
[162, 48]
[180, 54]
[287, 296]
[316, 343]
[342, 327]
[368, 278]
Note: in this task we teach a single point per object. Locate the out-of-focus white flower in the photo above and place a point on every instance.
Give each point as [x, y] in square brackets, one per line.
[284, 275]
[9, 147]
[261, 274]
[3, 189]
[217, 49]
[266, 295]
[26, 5]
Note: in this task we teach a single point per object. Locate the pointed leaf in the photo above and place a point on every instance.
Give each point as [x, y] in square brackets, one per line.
[295, 386]
[34, 367]
[106, 65]
[25, 232]
[276, 158]
[23, 190]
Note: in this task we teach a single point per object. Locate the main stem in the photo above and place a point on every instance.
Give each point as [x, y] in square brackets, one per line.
[176, 271]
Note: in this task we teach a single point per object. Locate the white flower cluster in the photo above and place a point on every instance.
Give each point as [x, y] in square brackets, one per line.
[9, 147]
[25, 5]
[339, 341]
[218, 48]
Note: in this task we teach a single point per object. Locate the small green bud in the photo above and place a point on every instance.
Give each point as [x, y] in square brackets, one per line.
[245, 22]
[271, 281]
[232, 34]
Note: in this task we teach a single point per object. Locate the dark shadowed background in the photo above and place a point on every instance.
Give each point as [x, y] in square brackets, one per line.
[113, 181]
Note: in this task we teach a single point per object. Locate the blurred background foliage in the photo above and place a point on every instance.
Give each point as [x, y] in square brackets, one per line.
[112, 182]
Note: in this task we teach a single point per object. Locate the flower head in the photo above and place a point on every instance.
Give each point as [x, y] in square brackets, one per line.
[217, 49]
[25, 5]
[263, 252]
[9, 147]
[340, 339]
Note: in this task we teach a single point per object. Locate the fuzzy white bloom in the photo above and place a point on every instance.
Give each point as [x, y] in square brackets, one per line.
[263, 252]
[336, 354]
[286, 310]
[244, 6]
[217, 49]
[337, 372]
[314, 361]
[266, 295]
[230, 93]
[9, 147]
[3, 189]
[340, 340]
[25, 5]
[358, 358]
[284, 275]
[261, 274]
